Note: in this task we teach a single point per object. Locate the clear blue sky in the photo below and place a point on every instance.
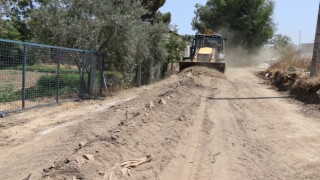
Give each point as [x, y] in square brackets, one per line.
[291, 16]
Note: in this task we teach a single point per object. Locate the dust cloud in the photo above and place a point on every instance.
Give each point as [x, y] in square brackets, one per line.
[239, 57]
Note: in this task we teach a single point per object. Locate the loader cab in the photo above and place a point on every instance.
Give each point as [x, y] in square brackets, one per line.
[207, 50]
[214, 41]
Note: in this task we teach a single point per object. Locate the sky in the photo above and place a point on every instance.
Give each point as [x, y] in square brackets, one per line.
[290, 16]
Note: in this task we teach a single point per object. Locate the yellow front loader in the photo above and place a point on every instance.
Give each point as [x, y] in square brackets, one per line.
[207, 50]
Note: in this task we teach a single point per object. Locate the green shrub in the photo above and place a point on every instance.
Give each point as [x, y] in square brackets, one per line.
[113, 75]
[68, 84]
[47, 81]
[46, 86]
[8, 96]
[46, 69]
[70, 80]
[66, 80]
[114, 78]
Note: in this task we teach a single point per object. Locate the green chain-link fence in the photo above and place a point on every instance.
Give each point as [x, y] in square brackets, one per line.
[33, 75]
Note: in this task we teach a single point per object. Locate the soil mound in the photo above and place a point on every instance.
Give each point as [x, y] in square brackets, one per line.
[304, 88]
[196, 71]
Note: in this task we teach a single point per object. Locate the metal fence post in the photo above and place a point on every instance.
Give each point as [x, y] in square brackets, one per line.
[24, 64]
[158, 71]
[93, 70]
[139, 75]
[82, 78]
[58, 76]
[101, 74]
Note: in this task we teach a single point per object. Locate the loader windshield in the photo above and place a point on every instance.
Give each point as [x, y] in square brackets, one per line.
[212, 41]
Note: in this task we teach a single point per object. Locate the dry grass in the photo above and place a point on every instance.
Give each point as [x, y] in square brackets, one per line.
[12, 79]
[292, 60]
[292, 74]
[307, 89]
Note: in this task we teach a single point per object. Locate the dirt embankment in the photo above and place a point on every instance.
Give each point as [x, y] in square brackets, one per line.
[149, 126]
[199, 124]
[90, 142]
[296, 82]
[291, 73]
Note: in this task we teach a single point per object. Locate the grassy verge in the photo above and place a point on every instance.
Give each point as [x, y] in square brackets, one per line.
[46, 86]
[114, 81]
[48, 68]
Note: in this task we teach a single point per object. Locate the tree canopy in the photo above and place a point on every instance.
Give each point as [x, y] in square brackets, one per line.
[152, 6]
[246, 23]
[14, 15]
[281, 41]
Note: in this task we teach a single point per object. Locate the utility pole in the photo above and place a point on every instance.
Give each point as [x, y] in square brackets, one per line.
[300, 42]
[315, 63]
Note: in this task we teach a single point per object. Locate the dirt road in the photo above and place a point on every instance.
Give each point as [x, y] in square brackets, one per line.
[196, 125]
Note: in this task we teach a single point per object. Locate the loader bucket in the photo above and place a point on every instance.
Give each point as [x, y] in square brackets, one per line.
[212, 65]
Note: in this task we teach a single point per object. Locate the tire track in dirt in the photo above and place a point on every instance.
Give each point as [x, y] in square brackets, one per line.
[204, 156]
[252, 151]
[260, 135]
[242, 154]
[193, 156]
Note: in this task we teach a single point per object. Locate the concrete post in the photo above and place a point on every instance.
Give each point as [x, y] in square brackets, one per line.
[315, 63]
[93, 71]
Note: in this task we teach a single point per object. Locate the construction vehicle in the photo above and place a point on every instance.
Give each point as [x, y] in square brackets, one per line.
[207, 50]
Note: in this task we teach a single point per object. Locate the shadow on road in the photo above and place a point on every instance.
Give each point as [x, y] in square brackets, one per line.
[247, 98]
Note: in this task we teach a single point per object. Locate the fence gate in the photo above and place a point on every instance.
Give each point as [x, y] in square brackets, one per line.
[34, 75]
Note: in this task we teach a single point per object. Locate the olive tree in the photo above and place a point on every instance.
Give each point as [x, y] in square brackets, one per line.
[112, 27]
[247, 23]
[151, 51]
[282, 43]
[107, 26]
[14, 16]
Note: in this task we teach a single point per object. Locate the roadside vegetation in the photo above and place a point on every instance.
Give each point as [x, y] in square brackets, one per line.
[44, 83]
[45, 86]
[133, 36]
[292, 73]
[128, 33]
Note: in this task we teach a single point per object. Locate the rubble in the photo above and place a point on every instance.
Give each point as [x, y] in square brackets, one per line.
[83, 143]
[150, 105]
[162, 101]
[79, 159]
[88, 157]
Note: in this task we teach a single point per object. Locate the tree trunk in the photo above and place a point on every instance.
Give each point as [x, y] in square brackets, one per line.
[101, 63]
[92, 77]
[139, 74]
[172, 67]
[315, 63]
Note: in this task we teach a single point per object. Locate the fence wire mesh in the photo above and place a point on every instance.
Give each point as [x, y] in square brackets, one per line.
[33, 75]
[146, 73]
